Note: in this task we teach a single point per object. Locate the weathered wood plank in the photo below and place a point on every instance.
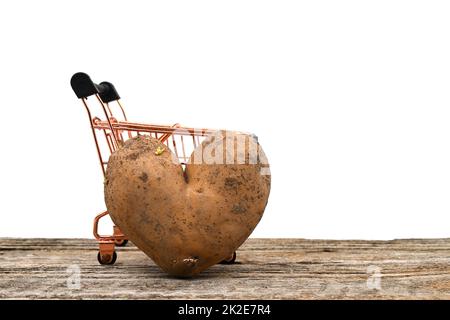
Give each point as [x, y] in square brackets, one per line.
[267, 269]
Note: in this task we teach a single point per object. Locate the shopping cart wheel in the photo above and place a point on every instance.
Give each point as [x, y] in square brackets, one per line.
[230, 260]
[107, 258]
[121, 243]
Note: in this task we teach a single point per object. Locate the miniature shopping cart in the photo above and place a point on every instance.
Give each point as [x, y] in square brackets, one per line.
[110, 132]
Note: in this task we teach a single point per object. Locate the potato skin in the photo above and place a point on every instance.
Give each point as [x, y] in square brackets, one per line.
[186, 222]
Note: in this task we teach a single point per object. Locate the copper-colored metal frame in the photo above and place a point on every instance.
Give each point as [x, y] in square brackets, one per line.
[115, 132]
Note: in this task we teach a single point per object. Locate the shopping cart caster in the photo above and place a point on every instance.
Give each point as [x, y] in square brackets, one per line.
[121, 243]
[106, 252]
[107, 258]
[119, 240]
[229, 260]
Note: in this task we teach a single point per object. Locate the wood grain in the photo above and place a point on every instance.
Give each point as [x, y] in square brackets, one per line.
[266, 269]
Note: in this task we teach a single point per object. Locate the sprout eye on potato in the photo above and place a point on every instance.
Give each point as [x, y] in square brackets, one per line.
[188, 221]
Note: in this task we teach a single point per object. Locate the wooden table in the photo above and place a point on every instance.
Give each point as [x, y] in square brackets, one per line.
[266, 269]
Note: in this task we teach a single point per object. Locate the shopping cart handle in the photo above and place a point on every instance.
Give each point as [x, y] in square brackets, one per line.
[84, 87]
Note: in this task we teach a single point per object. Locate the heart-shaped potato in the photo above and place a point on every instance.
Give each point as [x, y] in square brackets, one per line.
[188, 221]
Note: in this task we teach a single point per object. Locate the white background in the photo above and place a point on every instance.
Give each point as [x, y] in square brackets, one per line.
[350, 100]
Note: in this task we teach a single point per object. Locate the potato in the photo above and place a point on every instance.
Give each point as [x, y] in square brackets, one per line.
[188, 221]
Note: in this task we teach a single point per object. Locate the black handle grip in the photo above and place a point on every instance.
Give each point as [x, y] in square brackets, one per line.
[84, 87]
[108, 92]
